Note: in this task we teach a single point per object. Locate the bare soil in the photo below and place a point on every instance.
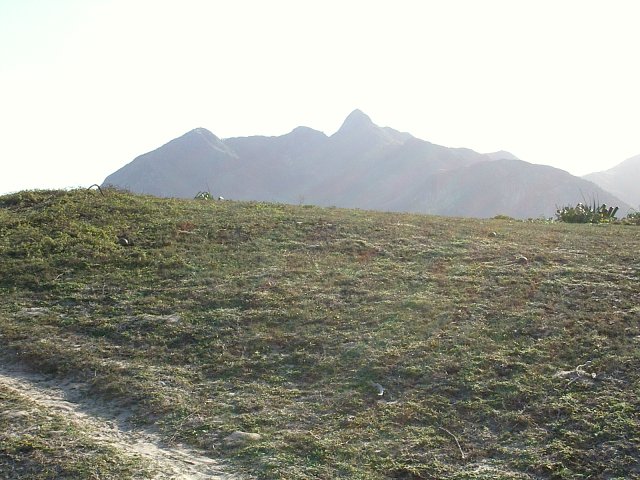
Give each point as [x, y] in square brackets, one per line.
[109, 425]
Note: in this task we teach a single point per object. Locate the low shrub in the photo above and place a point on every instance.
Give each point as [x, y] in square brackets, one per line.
[203, 196]
[582, 213]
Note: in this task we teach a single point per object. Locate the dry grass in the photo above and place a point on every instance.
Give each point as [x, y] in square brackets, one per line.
[274, 319]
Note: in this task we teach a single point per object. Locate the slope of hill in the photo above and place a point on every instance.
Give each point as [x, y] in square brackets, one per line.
[362, 165]
[350, 343]
[621, 180]
[179, 167]
[509, 187]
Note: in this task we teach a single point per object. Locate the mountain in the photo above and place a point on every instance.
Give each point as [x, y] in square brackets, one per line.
[179, 167]
[509, 187]
[362, 165]
[621, 180]
[502, 155]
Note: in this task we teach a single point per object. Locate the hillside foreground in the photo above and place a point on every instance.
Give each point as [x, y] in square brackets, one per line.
[351, 344]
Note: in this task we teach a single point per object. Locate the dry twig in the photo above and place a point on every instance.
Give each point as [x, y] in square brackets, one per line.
[457, 442]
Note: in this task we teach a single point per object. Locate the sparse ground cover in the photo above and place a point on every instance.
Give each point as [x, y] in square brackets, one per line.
[52, 430]
[505, 349]
[38, 442]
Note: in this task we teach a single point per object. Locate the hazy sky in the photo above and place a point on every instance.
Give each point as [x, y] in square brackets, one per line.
[88, 85]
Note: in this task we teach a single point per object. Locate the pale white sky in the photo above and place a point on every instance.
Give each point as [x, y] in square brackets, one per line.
[88, 85]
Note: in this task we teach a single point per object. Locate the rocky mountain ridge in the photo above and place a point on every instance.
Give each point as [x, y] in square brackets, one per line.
[362, 165]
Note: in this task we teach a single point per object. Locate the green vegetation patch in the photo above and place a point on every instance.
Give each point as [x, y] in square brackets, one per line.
[356, 344]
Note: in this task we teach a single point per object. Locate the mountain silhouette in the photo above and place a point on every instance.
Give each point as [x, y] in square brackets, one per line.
[621, 180]
[362, 165]
[511, 187]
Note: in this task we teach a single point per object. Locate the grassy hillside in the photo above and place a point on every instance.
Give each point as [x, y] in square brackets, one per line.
[505, 349]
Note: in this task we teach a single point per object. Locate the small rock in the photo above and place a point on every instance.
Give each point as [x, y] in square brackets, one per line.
[378, 387]
[239, 439]
[174, 318]
[521, 259]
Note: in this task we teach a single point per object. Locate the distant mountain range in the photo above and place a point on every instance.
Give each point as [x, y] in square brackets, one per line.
[363, 166]
[623, 180]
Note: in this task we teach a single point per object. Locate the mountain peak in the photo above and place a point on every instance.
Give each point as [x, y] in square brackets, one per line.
[203, 132]
[204, 135]
[356, 120]
[501, 155]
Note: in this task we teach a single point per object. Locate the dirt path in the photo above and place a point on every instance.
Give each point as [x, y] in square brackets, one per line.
[109, 426]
